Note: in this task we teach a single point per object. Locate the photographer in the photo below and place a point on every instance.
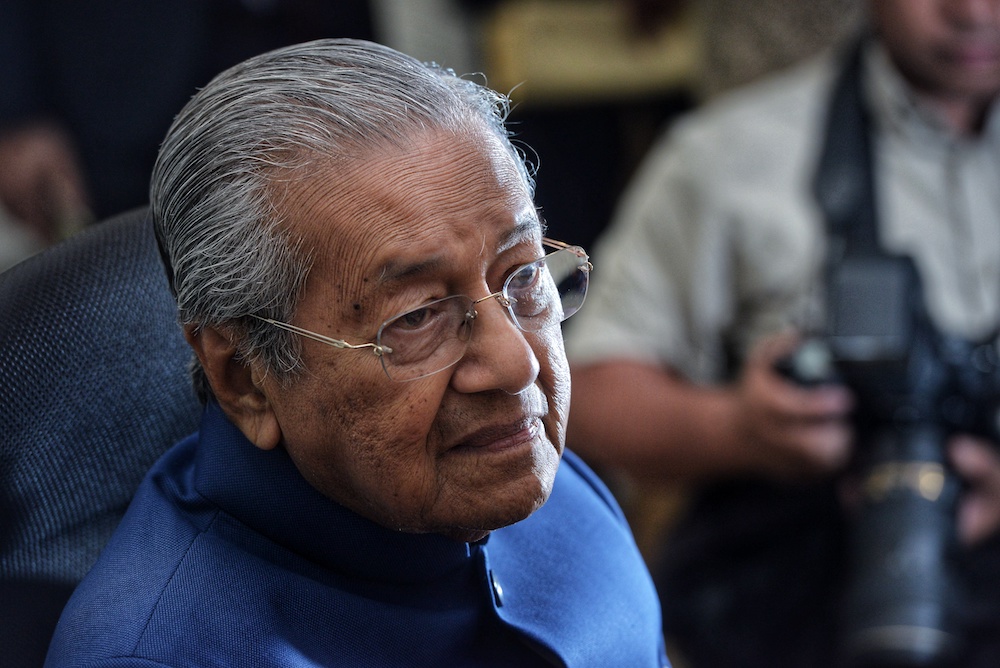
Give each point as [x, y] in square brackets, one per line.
[713, 272]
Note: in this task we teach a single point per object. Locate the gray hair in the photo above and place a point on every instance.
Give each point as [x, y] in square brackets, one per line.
[326, 103]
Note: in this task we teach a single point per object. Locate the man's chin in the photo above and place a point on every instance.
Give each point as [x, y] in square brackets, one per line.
[490, 516]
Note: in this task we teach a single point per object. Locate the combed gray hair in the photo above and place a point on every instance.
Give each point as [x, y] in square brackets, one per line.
[325, 103]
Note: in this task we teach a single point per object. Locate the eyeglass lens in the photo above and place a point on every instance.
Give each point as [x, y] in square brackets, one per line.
[434, 336]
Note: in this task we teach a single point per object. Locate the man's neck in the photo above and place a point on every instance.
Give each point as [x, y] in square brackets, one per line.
[965, 116]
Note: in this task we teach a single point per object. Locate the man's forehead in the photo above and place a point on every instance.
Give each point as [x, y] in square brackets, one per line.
[401, 262]
[396, 214]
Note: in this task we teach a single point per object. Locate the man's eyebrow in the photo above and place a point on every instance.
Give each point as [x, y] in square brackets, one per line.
[528, 229]
[397, 272]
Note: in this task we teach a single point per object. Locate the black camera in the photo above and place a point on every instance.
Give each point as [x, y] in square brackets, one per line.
[914, 387]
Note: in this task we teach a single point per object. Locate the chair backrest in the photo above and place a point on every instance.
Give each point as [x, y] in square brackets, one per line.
[94, 386]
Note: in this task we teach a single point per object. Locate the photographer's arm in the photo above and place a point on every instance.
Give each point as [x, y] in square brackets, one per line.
[651, 422]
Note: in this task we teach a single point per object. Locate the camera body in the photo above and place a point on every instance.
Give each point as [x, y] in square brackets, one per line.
[914, 388]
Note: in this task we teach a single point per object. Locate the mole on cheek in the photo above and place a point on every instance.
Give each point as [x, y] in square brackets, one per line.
[358, 313]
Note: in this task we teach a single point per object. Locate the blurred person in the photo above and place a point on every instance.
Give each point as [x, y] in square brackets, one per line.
[380, 475]
[712, 274]
[90, 89]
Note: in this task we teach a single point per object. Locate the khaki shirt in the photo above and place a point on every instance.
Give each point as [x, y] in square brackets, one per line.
[718, 240]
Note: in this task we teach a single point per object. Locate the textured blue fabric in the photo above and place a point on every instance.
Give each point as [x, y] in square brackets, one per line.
[227, 557]
[94, 389]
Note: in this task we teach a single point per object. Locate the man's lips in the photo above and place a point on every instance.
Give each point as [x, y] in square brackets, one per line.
[974, 55]
[501, 436]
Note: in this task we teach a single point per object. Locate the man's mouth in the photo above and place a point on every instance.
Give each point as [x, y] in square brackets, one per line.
[977, 55]
[500, 437]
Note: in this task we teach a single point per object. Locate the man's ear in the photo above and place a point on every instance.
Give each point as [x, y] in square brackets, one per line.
[236, 385]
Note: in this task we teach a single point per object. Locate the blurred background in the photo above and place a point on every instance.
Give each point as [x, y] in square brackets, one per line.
[90, 88]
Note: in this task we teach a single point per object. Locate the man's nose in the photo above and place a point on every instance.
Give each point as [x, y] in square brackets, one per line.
[499, 356]
[973, 13]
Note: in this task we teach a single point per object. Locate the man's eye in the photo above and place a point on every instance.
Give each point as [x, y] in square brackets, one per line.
[414, 319]
[435, 314]
[525, 277]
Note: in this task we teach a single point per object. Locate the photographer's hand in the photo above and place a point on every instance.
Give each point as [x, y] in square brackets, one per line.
[978, 465]
[794, 431]
[650, 421]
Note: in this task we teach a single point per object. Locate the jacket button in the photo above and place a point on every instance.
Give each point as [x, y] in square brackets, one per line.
[497, 589]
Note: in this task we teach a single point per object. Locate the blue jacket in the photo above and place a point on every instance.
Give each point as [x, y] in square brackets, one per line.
[227, 557]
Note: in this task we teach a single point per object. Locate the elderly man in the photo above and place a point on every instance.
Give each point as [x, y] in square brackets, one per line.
[363, 278]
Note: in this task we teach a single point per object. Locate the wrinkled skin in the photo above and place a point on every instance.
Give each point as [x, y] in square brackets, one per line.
[461, 452]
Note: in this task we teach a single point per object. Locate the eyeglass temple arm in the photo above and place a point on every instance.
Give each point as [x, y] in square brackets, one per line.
[336, 343]
[576, 250]
[562, 245]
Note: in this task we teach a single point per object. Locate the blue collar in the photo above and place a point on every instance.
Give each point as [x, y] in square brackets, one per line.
[265, 491]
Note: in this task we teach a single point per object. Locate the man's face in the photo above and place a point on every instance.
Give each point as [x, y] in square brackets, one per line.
[463, 451]
[947, 48]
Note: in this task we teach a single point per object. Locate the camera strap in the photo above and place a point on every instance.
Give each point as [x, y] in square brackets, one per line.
[844, 184]
[874, 301]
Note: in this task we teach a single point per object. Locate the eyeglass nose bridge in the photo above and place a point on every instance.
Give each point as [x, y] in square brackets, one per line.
[501, 298]
[499, 295]
[472, 314]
